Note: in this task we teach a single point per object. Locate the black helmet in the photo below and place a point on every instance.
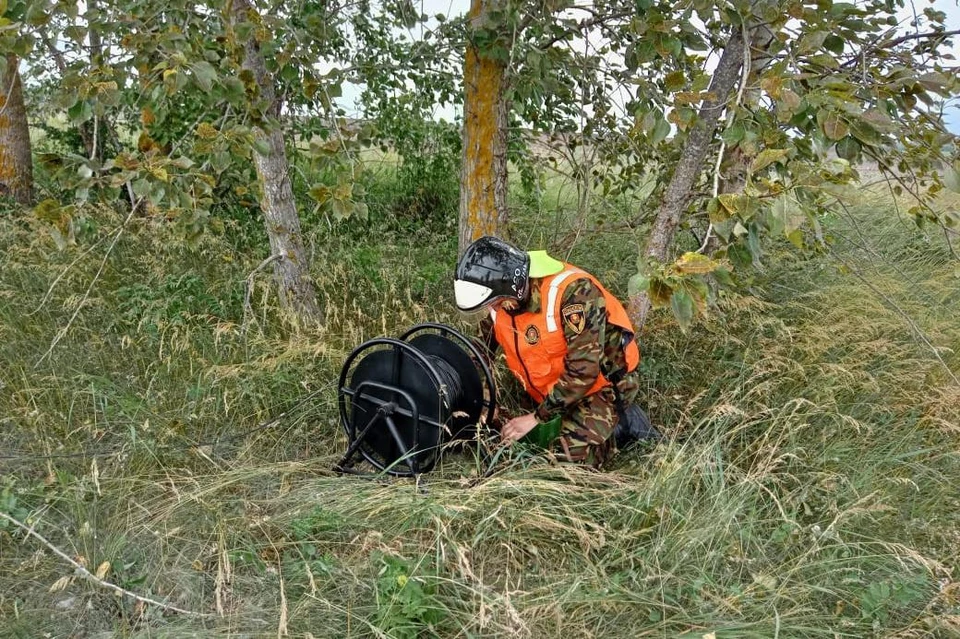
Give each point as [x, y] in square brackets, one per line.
[491, 269]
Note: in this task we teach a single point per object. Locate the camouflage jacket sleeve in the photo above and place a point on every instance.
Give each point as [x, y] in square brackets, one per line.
[583, 315]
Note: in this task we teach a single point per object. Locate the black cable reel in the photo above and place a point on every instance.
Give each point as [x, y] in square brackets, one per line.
[401, 400]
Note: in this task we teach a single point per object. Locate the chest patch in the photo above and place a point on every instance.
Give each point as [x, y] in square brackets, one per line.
[574, 318]
[532, 334]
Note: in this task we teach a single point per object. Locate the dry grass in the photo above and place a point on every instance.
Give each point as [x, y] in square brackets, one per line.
[808, 487]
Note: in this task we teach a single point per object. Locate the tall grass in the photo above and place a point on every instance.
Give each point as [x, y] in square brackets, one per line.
[808, 486]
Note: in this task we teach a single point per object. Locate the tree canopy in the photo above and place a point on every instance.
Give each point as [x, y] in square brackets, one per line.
[740, 119]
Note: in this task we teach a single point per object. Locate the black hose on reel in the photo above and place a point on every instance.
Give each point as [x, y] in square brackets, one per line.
[450, 384]
[402, 399]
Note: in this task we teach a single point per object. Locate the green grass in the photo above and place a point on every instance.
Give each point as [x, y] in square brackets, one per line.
[808, 487]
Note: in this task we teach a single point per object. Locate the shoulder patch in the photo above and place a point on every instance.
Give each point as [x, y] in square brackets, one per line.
[573, 316]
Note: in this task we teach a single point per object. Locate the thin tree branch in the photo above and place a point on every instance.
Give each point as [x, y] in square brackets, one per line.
[583, 25]
[888, 44]
[916, 36]
[57, 54]
[96, 131]
[89, 576]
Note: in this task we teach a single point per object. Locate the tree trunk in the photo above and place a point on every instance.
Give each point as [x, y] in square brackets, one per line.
[691, 163]
[95, 132]
[291, 268]
[16, 162]
[735, 167]
[483, 178]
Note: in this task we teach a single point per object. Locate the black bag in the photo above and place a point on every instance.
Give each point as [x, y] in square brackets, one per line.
[634, 426]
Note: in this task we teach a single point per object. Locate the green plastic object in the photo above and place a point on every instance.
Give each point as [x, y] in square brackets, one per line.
[544, 435]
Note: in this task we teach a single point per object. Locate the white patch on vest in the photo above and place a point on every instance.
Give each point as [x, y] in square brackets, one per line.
[552, 299]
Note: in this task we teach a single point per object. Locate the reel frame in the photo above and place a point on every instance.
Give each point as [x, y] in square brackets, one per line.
[368, 405]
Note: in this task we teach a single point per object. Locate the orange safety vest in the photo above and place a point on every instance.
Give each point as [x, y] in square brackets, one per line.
[534, 343]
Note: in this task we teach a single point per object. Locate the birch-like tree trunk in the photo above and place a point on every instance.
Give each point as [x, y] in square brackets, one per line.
[483, 178]
[290, 266]
[678, 191]
[733, 178]
[16, 163]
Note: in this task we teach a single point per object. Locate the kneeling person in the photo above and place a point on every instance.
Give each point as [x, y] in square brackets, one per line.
[564, 336]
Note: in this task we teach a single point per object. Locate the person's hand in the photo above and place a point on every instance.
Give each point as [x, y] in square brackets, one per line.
[518, 427]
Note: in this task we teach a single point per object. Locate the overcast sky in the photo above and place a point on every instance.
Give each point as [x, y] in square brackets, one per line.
[949, 7]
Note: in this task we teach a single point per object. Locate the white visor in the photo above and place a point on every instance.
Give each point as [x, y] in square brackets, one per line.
[470, 296]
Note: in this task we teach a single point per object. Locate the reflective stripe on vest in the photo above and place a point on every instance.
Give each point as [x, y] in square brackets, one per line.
[551, 304]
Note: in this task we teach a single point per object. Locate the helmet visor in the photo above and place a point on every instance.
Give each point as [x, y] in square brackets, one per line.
[471, 296]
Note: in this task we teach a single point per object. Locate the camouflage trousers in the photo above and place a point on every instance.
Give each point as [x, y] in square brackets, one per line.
[587, 426]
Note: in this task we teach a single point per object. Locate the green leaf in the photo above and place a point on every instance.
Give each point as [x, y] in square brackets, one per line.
[682, 305]
[766, 158]
[733, 134]
[290, 73]
[834, 44]
[221, 161]
[204, 74]
[182, 162]
[739, 255]
[660, 131]
[811, 42]
[75, 33]
[879, 121]
[141, 187]
[832, 125]
[637, 284]
[234, 90]
[825, 60]
[722, 275]
[80, 112]
[849, 149]
[951, 176]
[35, 15]
[934, 81]
[865, 133]
[787, 213]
